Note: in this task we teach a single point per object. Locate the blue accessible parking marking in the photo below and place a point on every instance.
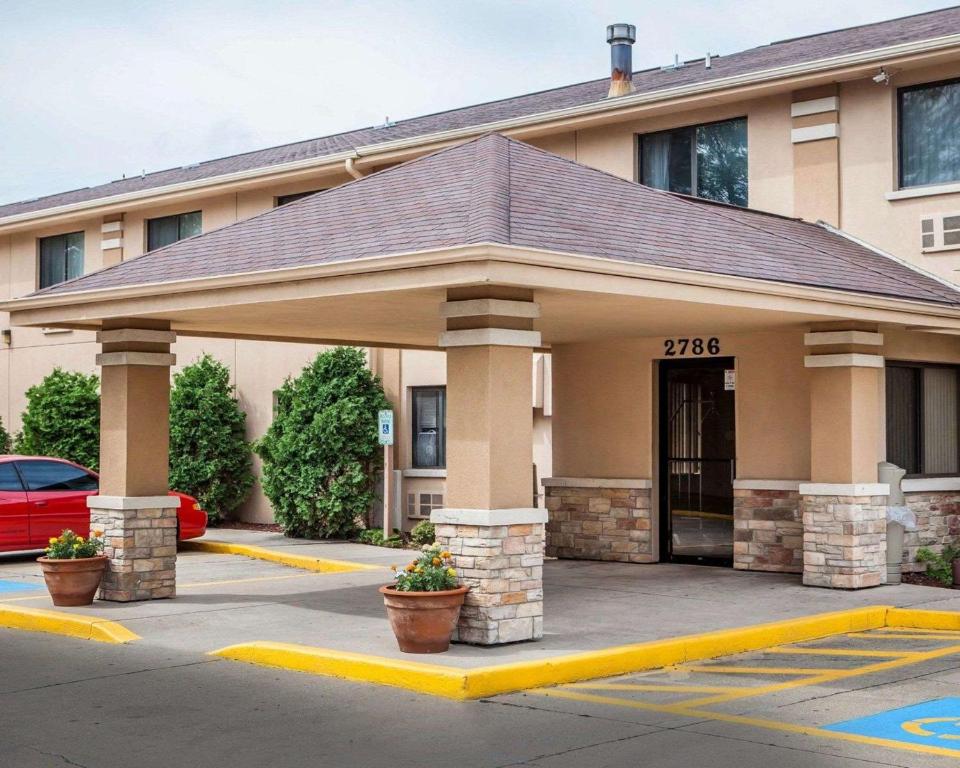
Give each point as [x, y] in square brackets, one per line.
[933, 723]
[9, 585]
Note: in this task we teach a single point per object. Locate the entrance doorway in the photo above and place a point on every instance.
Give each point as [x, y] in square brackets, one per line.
[697, 460]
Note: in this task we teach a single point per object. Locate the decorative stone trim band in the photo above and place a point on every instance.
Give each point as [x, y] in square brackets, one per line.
[843, 360]
[133, 502]
[136, 335]
[844, 489]
[113, 242]
[496, 307]
[766, 485]
[824, 338]
[815, 133]
[489, 517]
[497, 337]
[441, 473]
[595, 482]
[921, 484]
[111, 226]
[815, 106]
[165, 359]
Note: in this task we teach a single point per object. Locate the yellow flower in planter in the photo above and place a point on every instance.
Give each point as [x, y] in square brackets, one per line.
[445, 555]
[452, 572]
[53, 540]
[436, 561]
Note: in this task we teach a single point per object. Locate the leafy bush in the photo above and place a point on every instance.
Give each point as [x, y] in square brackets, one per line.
[69, 546]
[939, 565]
[209, 455]
[432, 571]
[321, 452]
[5, 441]
[62, 418]
[423, 533]
[374, 536]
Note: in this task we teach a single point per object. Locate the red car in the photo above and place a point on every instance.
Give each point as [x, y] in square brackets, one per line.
[40, 497]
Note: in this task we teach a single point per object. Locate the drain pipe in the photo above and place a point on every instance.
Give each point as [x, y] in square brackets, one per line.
[350, 168]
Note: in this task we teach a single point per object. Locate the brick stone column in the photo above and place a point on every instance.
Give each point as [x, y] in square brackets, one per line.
[844, 535]
[767, 526]
[490, 525]
[138, 517]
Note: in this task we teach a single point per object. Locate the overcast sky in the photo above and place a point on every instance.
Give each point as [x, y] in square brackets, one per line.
[91, 90]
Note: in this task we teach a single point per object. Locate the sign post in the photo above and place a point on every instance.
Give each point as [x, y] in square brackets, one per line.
[385, 436]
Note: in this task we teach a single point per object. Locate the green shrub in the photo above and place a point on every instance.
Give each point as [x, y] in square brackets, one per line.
[321, 453]
[423, 533]
[62, 419]
[5, 442]
[939, 565]
[209, 455]
[374, 536]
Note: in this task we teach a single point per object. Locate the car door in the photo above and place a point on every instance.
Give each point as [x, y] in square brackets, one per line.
[14, 510]
[57, 498]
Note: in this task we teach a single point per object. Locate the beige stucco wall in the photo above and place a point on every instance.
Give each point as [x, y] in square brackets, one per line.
[604, 422]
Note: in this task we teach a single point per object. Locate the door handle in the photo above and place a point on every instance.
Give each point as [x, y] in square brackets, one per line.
[40, 503]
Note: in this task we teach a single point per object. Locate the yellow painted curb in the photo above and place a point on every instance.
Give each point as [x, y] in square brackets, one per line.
[909, 618]
[479, 682]
[66, 624]
[304, 562]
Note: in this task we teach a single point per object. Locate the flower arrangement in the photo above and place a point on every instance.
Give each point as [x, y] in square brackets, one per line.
[69, 546]
[432, 571]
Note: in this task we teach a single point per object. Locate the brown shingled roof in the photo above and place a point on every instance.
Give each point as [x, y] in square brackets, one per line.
[783, 53]
[496, 190]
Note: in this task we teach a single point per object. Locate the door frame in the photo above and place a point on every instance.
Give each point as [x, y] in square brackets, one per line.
[665, 538]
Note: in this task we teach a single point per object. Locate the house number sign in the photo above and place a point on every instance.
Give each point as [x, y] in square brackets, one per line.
[694, 347]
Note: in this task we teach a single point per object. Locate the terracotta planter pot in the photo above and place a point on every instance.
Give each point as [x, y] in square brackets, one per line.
[73, 582]
[423, 621]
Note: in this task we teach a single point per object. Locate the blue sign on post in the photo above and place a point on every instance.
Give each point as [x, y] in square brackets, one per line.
[933, 723]
[385, 427]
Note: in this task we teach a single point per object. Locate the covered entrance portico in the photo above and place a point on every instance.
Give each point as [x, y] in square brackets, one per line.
[492, 250]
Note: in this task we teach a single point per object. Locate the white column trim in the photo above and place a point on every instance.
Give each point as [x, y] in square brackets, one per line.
[815, 106]
[498, 337]
[843, 360]
[497, 307]
[115, 242]
[489, 517]
[766, 485]
[595, 482]
[815, 133]
[164, 359]
[133, 502]
[823, 338]
[136, 335]
[920, 484]
[111, 226]
[844, 489]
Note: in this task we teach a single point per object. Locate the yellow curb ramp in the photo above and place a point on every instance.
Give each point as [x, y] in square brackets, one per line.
[479, 682]
[304, 562]
[66, 624]
[909, 618]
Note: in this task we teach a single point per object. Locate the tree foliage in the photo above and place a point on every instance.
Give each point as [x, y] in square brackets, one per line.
[62, 418]
[321, 452]
[5, 442]
[209, 454]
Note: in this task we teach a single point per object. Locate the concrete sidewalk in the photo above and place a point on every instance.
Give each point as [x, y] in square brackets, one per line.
[227, 599]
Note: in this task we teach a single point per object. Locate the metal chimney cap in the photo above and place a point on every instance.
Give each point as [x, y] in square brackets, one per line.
[621, 33]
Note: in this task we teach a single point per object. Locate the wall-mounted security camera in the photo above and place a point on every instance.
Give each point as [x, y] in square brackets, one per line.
[881, 78]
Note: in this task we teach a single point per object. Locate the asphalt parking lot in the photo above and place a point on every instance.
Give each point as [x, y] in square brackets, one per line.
[881, 697]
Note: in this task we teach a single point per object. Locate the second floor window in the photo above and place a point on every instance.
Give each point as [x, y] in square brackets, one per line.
[922, 418]
[169, 229]
[704, 160]
[429, 427]
[61, 258]
[284, 199]
[930, 134]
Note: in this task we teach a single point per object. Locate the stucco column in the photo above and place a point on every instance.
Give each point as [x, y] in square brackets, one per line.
[489, 523]
[815, 134]
[844, 507]
[133, 509]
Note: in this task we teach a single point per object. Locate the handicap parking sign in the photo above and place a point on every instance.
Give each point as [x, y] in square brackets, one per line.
[933, 723]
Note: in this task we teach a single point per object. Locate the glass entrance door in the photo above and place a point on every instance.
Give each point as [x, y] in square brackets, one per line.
[697, 460]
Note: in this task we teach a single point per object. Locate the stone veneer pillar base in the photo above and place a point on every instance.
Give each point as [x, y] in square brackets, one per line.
[844, 534]
[499, 554]
[599, 519]
[140, 538]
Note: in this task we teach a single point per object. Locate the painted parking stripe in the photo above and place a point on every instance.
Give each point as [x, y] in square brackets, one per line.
[931, 723]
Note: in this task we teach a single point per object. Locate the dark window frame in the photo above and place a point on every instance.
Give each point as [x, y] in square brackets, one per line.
[67, 276]
[918, 368]
[180, 235]
[638, 149]
[900, 93]
[281, 200]
[415, 392]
